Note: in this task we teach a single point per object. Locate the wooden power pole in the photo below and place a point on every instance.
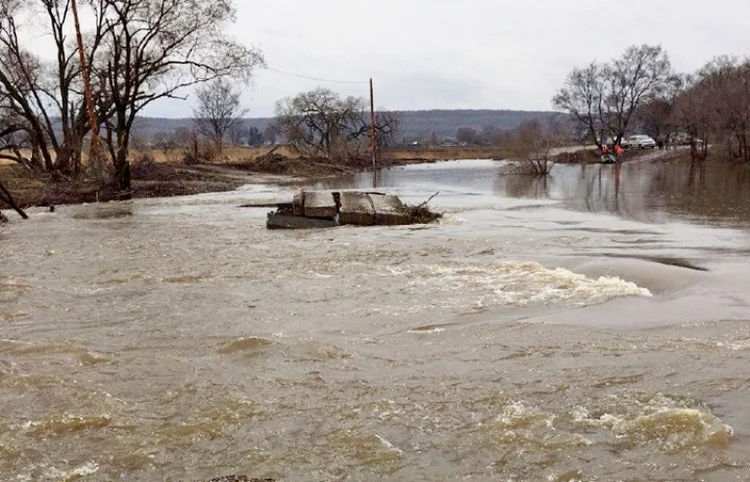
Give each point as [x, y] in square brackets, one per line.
[372, 128]
[95, 153]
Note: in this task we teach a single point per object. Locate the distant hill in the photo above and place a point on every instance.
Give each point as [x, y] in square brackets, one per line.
[445, 123]
[414, 124]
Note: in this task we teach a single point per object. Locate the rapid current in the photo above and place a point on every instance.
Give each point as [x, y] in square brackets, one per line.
[592, 326]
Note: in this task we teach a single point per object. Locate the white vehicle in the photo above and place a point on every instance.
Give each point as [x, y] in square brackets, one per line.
[641, 142]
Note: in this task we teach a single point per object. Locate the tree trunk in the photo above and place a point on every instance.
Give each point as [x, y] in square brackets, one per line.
[5, 196]
[122, 175]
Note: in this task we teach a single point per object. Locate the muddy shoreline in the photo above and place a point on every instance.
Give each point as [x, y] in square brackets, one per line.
[167, 179]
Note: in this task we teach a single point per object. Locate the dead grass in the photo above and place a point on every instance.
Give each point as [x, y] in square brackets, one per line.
[440, 153]
[149, 180]
[163, 173]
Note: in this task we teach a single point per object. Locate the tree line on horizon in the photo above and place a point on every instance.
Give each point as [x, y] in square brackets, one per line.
[637, 92]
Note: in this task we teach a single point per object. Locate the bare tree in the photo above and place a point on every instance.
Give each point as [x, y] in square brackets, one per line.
[491, 135]
[692, 114]
[387, 128]
[218, 111]
[271, 133]
[322, 124]
[725, 86]
[656, 115]
[317, 122]
[156, 48]
[467, 135]
[45, 96]
[140, 51]
[238, 133]
[602, 98]
[533, 143]
[715, 107]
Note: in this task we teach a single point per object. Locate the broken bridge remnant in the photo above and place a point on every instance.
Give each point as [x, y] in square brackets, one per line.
[318, 204]
[356, 208]
[322, 209]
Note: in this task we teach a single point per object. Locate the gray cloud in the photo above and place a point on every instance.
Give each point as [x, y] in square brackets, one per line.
[426, 54]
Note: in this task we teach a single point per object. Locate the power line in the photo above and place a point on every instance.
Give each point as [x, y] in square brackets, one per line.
[316, 78]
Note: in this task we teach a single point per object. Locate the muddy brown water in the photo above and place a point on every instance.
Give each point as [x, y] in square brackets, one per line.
[592, 327]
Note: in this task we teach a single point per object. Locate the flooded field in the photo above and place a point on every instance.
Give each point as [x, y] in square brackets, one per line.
[590, 327]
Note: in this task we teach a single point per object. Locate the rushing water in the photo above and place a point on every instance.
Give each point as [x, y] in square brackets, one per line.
[589, 327]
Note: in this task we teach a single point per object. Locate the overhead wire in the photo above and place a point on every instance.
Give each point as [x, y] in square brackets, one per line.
[318, 79]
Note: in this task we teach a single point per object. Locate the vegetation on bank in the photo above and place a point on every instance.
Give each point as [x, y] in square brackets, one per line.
[708, 109]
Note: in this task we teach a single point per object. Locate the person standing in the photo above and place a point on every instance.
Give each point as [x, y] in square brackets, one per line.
[619, 151]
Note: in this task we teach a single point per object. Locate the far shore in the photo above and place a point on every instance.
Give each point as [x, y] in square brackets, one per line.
[164, 174]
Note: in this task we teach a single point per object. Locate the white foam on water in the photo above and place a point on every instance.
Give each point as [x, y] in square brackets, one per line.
[89, 468]
[668, 424]
[517, 283]
[735, 346]
[517, 414]
[449, 219]
[57, 474]
[427, 331]
[389, 446]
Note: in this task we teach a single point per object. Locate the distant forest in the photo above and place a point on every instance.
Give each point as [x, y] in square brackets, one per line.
[416, 126]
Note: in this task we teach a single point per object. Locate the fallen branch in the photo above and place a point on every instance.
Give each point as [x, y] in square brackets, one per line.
[272, 150]
[430, 199]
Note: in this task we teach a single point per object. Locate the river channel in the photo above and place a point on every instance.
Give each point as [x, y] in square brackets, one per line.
[592, 326]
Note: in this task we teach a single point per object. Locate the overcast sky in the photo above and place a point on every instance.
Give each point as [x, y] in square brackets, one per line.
[470, 54]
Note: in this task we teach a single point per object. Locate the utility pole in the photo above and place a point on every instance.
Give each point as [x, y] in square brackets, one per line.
[95, 154]
[372, 128]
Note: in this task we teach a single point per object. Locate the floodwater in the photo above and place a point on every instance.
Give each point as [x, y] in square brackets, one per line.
[590, 327]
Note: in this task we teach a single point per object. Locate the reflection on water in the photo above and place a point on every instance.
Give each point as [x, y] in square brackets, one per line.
[643, 191]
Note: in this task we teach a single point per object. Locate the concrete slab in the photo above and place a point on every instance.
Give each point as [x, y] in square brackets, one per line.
[389, 210]
[298, 203]
[356, 208]
[286, 221]
[319, 205]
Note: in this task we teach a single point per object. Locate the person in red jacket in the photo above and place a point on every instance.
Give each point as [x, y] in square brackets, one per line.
[619, 151]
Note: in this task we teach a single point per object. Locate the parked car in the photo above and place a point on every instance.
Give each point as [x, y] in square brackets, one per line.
[623, 142]
[641, 141]
[684, 139]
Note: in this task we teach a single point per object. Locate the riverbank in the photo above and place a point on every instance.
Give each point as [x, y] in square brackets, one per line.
[163, 174]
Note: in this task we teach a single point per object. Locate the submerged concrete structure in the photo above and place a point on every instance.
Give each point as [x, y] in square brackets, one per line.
[322, 209]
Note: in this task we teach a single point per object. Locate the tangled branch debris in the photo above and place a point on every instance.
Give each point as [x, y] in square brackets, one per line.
[421, 213]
